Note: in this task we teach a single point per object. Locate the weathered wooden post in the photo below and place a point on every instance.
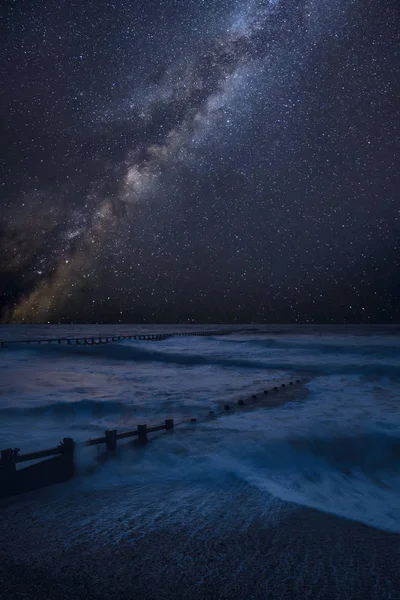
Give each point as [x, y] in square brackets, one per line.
[142, 434]
[67, 447]
[8, 470]
[111, 439]
[240, 402]
[169, 424]
[7, 462]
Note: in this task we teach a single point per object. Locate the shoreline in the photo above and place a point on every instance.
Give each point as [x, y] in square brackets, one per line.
[300, 553]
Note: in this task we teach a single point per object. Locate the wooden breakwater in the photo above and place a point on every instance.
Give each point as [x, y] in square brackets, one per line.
[59, 464]
[92, 340]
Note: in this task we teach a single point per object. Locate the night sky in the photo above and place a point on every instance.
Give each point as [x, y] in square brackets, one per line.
[192, 160]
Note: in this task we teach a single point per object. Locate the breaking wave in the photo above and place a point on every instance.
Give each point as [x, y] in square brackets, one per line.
[335, 447]
[73, 408]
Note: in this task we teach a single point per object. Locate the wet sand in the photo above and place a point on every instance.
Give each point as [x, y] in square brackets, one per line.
[233, 553]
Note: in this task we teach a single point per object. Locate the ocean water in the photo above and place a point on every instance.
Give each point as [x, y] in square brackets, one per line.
[331, 443]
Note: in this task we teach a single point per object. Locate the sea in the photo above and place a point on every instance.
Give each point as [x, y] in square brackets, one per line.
[330, 443]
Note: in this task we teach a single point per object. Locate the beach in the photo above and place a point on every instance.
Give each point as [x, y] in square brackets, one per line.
[236, 554]
[296, 498]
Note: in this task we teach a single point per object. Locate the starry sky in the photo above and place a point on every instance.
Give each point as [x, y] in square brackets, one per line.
[200, 161]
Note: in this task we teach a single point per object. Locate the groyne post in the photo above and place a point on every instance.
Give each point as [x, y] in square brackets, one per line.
[8, 470]
[67, 447]
[111, 439]
[142, 434]
[7, 462]
[169, 424]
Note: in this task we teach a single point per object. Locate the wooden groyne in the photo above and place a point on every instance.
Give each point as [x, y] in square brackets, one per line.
[93, 340]
[59, 464]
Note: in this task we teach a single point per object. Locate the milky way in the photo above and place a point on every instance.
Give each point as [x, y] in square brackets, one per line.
[200, 161]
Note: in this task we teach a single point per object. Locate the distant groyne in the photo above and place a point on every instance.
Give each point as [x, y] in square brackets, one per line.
[104, 338]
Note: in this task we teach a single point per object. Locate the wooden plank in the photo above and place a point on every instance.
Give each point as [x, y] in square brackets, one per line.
[95, 441]
[156, 428]
[48, 472]
[126, 434]
[36, 455]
